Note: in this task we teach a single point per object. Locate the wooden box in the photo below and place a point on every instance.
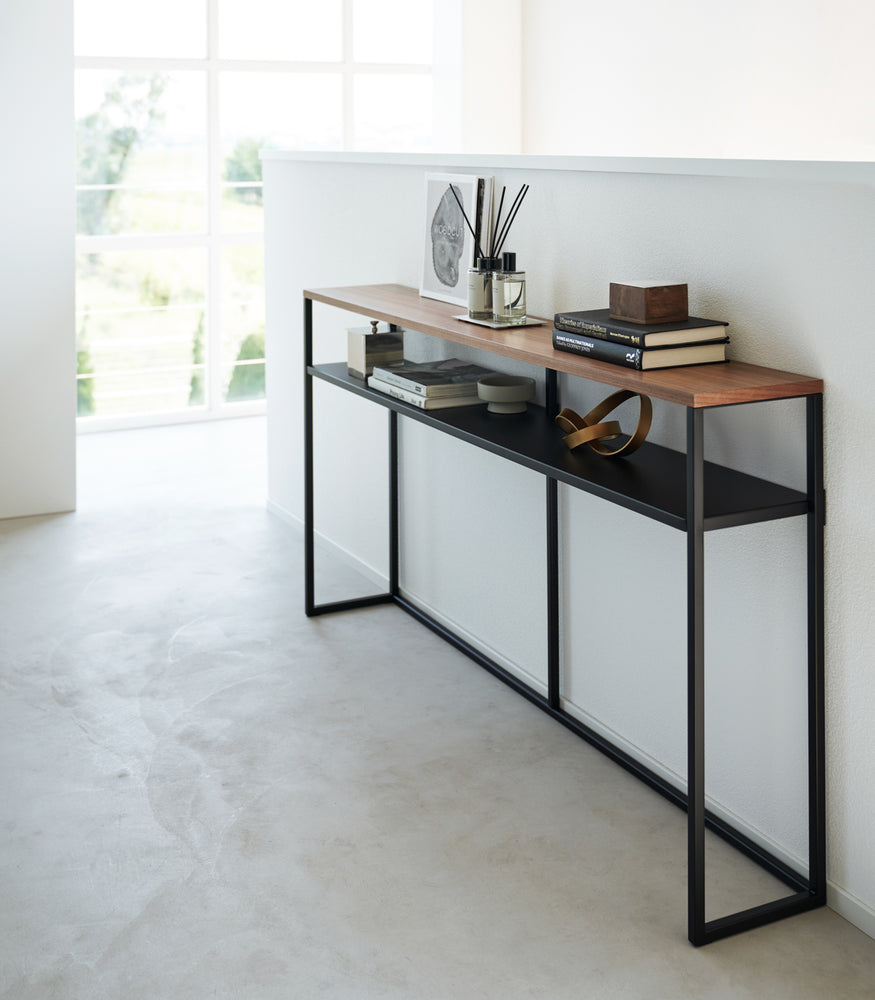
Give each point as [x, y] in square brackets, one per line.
[648, 302]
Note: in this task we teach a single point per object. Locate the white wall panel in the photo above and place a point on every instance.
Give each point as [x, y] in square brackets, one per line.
[37, 336]
[776, 79]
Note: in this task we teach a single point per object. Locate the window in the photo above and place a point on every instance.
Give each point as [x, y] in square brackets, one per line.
[174, 99]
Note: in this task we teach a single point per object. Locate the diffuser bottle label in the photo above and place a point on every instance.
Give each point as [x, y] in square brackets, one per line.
[479, 294]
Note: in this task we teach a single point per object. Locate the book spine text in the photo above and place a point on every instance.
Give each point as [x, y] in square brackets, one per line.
[393, 390]
[598, 350]
[572, 324]
[386, 375]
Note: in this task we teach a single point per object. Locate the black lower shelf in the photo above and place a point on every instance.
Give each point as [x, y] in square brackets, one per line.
[651, 482]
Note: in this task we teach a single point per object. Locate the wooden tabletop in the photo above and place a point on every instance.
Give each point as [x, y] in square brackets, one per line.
[695, 385]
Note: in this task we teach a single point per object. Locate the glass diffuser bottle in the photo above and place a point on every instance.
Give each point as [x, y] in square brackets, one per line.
[509, 293]
[480, 289]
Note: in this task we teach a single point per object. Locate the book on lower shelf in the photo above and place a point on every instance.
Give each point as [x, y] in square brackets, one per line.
[451, 377]
[599, 324]
[423, 401]
[640, 358]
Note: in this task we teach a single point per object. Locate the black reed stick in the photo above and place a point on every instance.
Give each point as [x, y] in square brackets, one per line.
[510, 219]
[477, 248]
[501, 231]
[507, 222]
[495, 223]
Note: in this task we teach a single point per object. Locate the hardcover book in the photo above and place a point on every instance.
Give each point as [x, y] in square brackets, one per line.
[598, 323]
[420, 400]
[451, 377]
[640, 358]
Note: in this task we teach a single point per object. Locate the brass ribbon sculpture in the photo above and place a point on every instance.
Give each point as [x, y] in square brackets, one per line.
[593, 431]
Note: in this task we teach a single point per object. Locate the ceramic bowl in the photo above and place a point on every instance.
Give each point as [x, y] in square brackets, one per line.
[506, 393]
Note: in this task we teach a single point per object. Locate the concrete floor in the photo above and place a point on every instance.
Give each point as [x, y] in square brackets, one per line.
[204, 794]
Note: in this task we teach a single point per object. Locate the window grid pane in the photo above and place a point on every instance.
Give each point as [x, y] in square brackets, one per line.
[410, 97]
[243, 323]
[140, 326]
[293, 30]
[293, 110]
[111, 28]
[141, 152]
[393, 31]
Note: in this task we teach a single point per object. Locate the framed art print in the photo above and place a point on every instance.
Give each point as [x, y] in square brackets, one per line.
[458, 208]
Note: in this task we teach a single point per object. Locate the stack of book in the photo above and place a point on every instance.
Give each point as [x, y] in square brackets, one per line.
[643, 346]
[430, 385]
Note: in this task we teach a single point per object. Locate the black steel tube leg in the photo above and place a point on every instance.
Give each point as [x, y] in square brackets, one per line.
[553, 664]
[695, 677]
[309, 528]
[552, 393]
[393, 503]
[816, 706]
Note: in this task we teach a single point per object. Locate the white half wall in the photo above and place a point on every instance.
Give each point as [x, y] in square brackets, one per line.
[781, 251]
[37, 222]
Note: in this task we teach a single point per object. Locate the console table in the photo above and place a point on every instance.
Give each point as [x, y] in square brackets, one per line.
[679, 489]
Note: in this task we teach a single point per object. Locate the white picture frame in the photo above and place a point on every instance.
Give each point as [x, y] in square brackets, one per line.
[449, 246]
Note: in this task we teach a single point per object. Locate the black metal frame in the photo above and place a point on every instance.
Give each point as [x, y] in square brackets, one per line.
[808, 891]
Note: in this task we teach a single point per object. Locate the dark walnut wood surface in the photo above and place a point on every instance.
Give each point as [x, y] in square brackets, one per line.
[697, 385]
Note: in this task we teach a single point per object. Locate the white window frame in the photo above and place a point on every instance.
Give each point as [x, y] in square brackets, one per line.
[214, 240]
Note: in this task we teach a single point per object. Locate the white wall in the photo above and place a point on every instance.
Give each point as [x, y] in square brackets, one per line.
[778, 79]
[37, 348]
[781, 256]
[463, 66]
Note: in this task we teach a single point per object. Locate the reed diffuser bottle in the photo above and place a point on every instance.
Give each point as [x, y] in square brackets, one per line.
[480, 289]
[495, 276]
[509, 293]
